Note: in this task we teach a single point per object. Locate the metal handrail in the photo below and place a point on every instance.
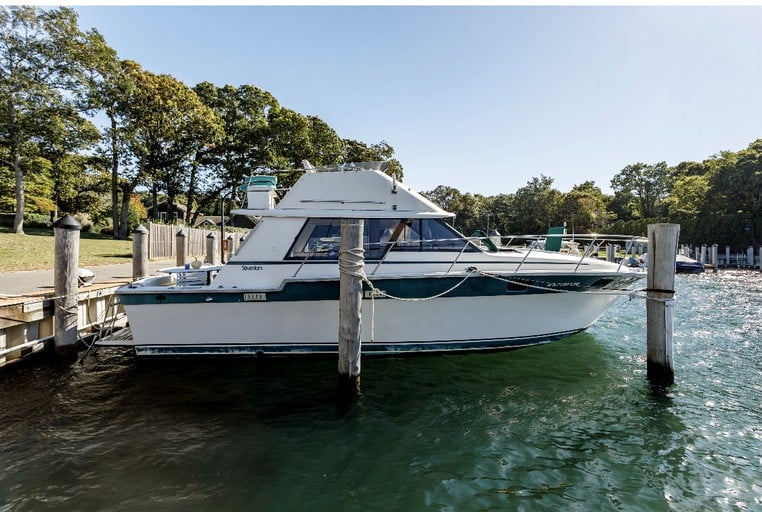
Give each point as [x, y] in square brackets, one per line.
[596, 241]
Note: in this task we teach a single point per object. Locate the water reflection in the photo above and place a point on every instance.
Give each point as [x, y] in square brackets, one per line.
[571, 425]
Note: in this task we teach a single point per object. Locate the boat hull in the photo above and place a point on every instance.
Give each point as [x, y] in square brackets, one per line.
[207, 323]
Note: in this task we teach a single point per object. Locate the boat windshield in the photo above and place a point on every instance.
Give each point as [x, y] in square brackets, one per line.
[319, 239]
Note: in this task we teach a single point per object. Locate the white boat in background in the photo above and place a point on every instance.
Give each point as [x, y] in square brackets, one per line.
[428, 288]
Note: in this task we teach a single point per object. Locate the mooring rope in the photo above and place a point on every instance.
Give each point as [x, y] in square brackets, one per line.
[351, 262]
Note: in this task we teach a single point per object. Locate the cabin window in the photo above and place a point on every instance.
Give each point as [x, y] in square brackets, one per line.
[430, 235]
[319, 239]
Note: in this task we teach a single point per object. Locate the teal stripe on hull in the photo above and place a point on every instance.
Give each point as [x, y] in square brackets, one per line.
[327, 349]
[477, 286]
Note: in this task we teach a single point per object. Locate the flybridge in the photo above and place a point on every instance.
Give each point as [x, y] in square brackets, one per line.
[339, 191]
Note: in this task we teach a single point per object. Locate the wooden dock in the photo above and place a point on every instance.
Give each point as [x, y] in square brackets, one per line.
[27, 322]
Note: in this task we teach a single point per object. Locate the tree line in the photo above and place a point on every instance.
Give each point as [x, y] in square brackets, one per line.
[718, 200]
[193, 145]
[180, 143]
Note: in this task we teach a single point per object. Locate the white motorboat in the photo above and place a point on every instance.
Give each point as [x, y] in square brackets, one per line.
[428, 288]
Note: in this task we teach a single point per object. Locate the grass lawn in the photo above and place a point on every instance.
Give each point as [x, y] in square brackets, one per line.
[34, 250]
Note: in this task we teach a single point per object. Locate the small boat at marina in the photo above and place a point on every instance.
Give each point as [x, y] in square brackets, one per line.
[427, 287]
[683, 264]
[686, 265]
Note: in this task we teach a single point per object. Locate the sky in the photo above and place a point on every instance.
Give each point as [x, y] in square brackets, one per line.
[482, 99]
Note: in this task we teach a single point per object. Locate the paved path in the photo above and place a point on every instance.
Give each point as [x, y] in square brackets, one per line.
[36, 282]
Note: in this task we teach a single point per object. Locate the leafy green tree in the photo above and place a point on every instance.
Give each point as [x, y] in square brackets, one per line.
[537, 206]
[688, 196]
[39, 184]
[644, 185]
[737, 188]
[500, 209]
[584, 208]
[111, 85]
[469, 210]
[243, 148]
[165, 125]
[67, 135]
[41, 73]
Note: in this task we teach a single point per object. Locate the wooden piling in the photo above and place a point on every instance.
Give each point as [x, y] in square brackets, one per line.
[662, 248]
[211, 249]
[351, 268]
[610, 252]
[139, 253]
[715, 258]
[230, 250]
[66, 234]
[181, 248]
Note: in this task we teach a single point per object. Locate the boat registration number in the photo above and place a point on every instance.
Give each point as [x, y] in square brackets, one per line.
[249, 297]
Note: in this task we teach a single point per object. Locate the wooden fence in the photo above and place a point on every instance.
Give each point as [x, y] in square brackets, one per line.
[162, 241]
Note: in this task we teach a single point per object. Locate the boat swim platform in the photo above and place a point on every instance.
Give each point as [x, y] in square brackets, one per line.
[120, 338]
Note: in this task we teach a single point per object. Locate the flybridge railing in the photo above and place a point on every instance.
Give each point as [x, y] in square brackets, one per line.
[307, 167]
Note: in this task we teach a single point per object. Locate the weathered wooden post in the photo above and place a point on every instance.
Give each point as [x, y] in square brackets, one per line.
[702, 259]
[181, 248]
[211, 249]
[662, 248]
[66, 233]
[715, 257]
[727, 256]
[750, 256]
[230, 248]
[139, 253]
[351, 269]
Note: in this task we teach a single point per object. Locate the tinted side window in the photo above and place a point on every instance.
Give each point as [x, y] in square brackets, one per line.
[430, 235]
[320, 239]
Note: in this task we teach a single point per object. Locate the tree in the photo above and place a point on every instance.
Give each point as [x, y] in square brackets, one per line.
[500, 208]
[737, 188]
[645, 185]
[243, 148]
[66, 135]
[165, 124]
[689, 193]
[110, 83]
[584, 208]
[537, 206]
[40, 77]
[469, 209]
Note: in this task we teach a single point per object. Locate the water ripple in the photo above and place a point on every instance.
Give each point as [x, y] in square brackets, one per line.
[568, 426]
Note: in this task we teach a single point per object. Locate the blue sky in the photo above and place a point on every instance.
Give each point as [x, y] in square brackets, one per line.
[479, 98]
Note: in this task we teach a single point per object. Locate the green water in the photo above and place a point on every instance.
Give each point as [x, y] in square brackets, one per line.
[567, 426]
